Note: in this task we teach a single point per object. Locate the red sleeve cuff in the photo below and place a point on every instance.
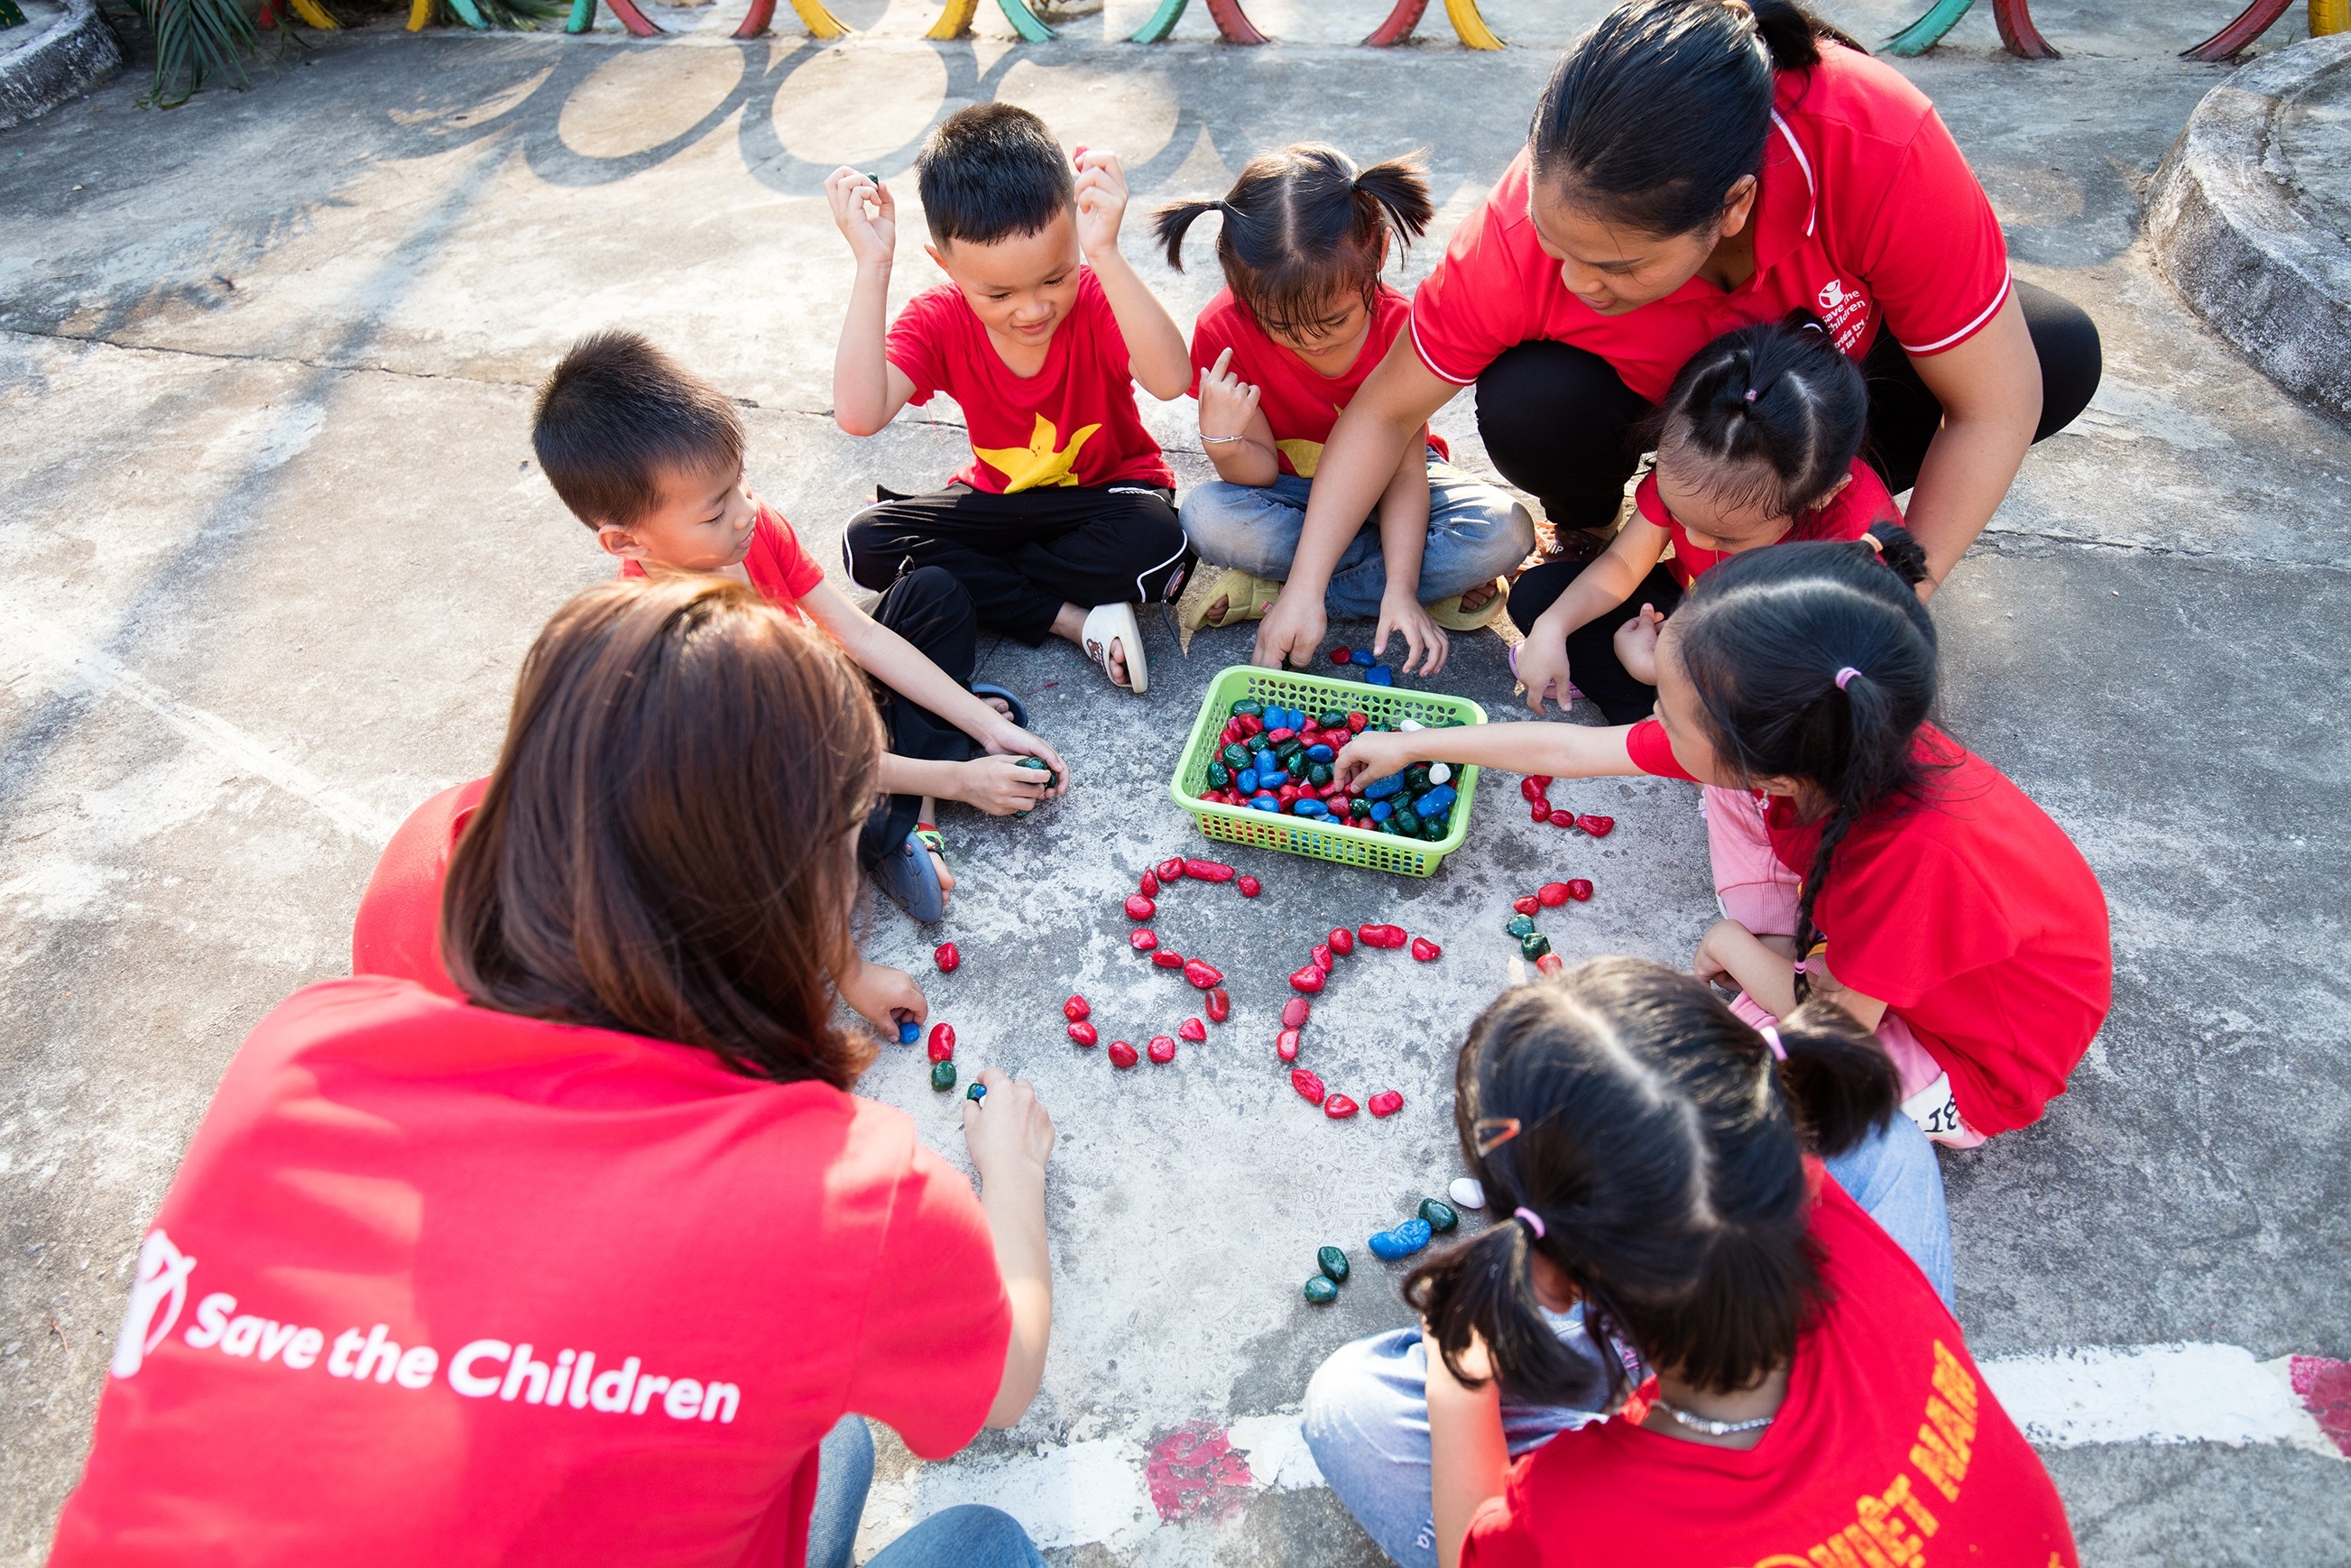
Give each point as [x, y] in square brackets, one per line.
[1981, 321]
[1652, 753]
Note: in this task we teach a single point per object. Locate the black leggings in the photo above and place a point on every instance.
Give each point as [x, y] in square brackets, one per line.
[928, 607]
[1560, 425]
[1591, 661]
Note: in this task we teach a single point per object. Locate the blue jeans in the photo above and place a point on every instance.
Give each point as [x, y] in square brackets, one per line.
[1366, 1416]
[969, 1536]
[1475, 534]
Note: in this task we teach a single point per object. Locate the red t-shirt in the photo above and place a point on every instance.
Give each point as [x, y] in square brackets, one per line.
[1868, 216]
[1851, 513]
[1889, 1449]
[364, 1319]
[1073, 422]
[1299, 402]
[397, 931]
[1970, 915]
[777, 565]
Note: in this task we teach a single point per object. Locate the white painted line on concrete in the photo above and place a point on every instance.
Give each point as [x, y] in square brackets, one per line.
[42, 648]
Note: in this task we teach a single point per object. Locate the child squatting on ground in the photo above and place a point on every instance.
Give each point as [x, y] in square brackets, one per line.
[1669, 1249]
[1860, 853]
[1757, 441]
[650, 457]
[1066, 518]
[1302, 319]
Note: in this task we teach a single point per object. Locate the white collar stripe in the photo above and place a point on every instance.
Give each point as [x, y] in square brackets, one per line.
[1811, 189]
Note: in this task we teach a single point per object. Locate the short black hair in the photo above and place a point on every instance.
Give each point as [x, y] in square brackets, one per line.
[991, 172]
[614, 413]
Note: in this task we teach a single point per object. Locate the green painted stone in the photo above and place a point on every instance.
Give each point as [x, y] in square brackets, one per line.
[1250, 705]
[1332, 1261]
[1319, 774]
[1321, 1292]
[1291, 753]
[1039, 763]
[1406, 822]
[1522, 926]
[1441, 1215]
[1334, 719]
[1415, 779]
[1389, 828]
[1219, 774]
[1434, 828]
[1235, 755]
[1533, 945]
[942, 1076]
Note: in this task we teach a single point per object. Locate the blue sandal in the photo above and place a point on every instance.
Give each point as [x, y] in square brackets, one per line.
[983, 691]
[911, 878]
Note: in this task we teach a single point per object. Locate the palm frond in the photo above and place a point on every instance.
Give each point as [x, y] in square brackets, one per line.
[195, 39]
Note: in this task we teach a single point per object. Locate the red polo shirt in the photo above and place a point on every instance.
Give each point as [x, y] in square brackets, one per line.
[440, 1285]
[1969, 914]
[1851, 513]
[397, 931]
[1889, 1449]
[1867, 216]
[778, 566]
[1299, 402]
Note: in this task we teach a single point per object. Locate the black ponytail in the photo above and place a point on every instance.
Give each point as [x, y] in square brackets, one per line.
[1658, 1140]
[1655, 113]
[1768, 416]
[1815, 662]
[1304, 229]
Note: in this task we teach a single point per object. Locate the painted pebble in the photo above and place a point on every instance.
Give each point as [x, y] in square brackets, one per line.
[1168, 958]
[1531, 903]
[1466, 1191]
[947, 957]
[1598, 826]
[1295, 1012]
[1343, 941]
[1321, 1292]
[1440, 773]
[909, 1032]
[1341, 655]
[1143, 939]
[1542, 812]
[1320, 957]
[976, 1091]
[1208, 870]
[1332, 1261]
[1441, 1215]
[1083, 1033]
[942, 1076]
[1532, 792]
[1220, 1005]
[1520, 926]
[1249, 886]
[1149, 887]
[1534, 945]
[1391, 1246]
[1425, 951]
[942, 1046]
[1193, 1030]
[1077, 1009]
[1338, 1107]
[1309, 979]
[1053, 779]
[1309, 1087]
[1559, 819]
[1550, 964]
[1204, 977]
[1580, 891]
[1386, 1102]
[1551, 895]
[1171, 870]
[1122, 1055]
[1161, 1049]
[1139, 907]
[1285, 1045]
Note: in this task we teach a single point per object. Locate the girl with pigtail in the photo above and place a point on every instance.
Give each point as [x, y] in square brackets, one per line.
[1766, 1355]
[1860, 854]
[1304, 317]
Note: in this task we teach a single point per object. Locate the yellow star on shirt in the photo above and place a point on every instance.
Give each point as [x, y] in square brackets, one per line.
[1304, 456]
[1042, 462]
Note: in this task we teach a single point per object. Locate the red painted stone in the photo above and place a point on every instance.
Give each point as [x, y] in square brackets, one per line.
[1150, 884]
[1559, 819]
[947, 957]
[1531, 789]
[942, 1044]
[1161, 1049]
[1203, 975]
[1143, 939]
[1309, 979]
[1168, 958]
[1294, 1012]
[1308, 1086]
[1357, 721]
[1122, 1055]
[1322, 957]
[1343, 941]
[1220, 1005]
[1338, 1107]
[1083, 1033]
[1285, 1045]
[1139, 907]
[1386, 1102]
[1580, 891]
[1252, 723]
[1528, 904]
[1539, 811]
[1171, 870]
[1424, 950]
[1381, 936]
[1251, 887]
[1193, 1030]
[1552, 894]
[1598, 826]
[1550, 963]
[1341, 655]
[1275, 737]
[1287, 795]
[1207, 871]
[1077, 1008]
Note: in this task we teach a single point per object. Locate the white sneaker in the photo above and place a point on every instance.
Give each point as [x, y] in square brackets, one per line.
[1937, 1115]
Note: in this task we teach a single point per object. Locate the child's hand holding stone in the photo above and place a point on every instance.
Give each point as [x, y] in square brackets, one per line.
[1637, 645]
[872, 236]
[1102, 203]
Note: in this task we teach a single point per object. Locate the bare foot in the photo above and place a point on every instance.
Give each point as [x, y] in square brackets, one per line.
[1216, 611]
[1070, 625]
[999, 705]
[930, 813]
[1479, 598]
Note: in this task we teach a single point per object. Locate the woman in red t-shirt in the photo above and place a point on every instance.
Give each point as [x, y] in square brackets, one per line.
[1696, 165]
[1873, 860]
[1302, 319]
[1802, 1395]
[1758, 441]
[584, 1264]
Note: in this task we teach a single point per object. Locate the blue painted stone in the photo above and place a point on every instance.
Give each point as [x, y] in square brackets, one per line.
[1437, 801]
[909, 1032]
[1318, 752]
[1273, 781]
[979, 1092]
[1381, 788]
[1391, 1246]
[1382, 810]
[1248, 781]
[1380, 675]
[1311, 808]
[1265, 803]
[1520, 926]
[1320, 1291]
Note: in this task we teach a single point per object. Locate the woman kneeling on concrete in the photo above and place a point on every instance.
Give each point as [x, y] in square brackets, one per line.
[586, 1265]
[1696, 1346]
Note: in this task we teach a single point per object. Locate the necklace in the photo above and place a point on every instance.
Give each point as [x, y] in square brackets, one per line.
[1711, 1426]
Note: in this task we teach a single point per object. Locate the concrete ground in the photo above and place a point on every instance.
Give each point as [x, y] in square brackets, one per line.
[276, 544]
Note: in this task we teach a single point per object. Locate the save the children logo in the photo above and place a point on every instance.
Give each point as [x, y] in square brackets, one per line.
[1831, 294]
[1845, 311]
[161, 1280]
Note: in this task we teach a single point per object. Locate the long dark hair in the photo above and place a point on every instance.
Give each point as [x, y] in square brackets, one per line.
[1653, 116]
[1658, 1141]
[1770, 415]
[1764, 637]
[1304, 227]
[667, 844]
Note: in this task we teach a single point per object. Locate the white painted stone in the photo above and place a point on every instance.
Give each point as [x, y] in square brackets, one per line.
[1465, 1193]
[1440, 773]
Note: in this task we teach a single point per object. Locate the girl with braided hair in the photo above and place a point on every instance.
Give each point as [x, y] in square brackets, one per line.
[1767, 1355]
[1862, 854]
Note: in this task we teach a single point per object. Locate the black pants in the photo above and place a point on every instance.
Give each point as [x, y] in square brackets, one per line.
[1559, 422]
[1591, 661]
[1023, 557]
[928, 607]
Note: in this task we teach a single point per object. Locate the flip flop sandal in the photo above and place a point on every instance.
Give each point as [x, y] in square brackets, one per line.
[1246, 595]
[984, 691]
[911, 878]
[1448, 613]
[1107, 623]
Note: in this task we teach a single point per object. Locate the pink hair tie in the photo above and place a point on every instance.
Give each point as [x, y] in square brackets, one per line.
[1844, 677]
[1771, 1037]
[1534, 1222]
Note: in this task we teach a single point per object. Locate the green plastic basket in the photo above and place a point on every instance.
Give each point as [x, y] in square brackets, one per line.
[1312, 836]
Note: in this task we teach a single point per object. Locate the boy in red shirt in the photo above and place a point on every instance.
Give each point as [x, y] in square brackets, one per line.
[1038, 335]
[650, 455]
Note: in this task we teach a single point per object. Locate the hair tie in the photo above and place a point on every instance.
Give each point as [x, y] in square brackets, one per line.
[1875, 543]
[1750, 394]
[1771, 1037]
[1844, 677]
[1534, 1222]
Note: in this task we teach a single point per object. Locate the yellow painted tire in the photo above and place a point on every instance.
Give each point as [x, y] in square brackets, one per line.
[2329, 17]
[1470, 26]
[955, 21]
[419, 15]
